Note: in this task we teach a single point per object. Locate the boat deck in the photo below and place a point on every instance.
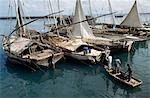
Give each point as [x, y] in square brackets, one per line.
[93, 53]
[39, 56]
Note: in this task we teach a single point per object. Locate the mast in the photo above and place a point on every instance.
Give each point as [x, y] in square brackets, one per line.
[61, 18]
[58, 6]
[19, 18]
[55, 21]
[91, 14]
[90, 7]
[59, 13]
[112, 15]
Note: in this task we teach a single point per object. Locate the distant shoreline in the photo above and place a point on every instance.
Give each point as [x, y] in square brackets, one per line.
[26, 17]
[41, 17]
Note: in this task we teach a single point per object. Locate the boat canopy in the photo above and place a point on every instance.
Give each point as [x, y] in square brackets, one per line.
[132, 19]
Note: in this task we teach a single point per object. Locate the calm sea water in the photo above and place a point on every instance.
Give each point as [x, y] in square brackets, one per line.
[72, 78]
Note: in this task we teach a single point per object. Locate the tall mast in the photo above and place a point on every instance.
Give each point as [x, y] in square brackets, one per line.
[55, 21]
[58, 6]
[112, 15]
[90, 8]
[60, 18]
[91, 14]
[19, 18]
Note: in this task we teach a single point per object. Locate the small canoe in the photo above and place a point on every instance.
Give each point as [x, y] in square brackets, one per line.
[120, 76]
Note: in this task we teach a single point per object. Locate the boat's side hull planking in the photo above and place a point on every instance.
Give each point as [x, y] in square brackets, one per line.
[31, 63]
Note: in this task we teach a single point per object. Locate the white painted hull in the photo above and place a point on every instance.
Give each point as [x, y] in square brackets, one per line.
[92, 59]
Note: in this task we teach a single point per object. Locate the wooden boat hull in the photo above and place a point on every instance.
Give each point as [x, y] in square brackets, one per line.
[20, 61]
[32, 64]
[31, 60]
[118, 48]
[118, 76]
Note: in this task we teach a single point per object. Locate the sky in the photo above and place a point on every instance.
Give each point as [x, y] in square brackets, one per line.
[41, 7]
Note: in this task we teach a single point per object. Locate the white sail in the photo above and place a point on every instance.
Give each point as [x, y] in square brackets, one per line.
[132, 19]
[80, 30]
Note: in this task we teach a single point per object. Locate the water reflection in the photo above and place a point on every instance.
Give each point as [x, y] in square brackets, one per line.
[81, 79]
[143, 44]
[37, 77]
[115, 87]
[79, 76]
[107, 84]
[143, 48]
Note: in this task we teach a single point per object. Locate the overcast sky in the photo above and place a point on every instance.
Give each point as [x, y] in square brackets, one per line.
[40, 7]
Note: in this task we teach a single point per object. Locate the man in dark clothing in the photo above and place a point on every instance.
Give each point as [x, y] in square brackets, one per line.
[58, 20]
[116, 68]
[129, 73]
[50, 61]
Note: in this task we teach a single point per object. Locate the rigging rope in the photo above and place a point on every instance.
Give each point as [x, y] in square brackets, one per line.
[81, 21]
[31, 22]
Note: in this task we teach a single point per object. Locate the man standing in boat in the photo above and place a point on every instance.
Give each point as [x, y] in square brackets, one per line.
[110, 62]
[117, 65]
[50, 61]
[129, 73]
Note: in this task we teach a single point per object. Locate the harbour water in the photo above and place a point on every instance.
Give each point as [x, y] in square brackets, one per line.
[72, 78]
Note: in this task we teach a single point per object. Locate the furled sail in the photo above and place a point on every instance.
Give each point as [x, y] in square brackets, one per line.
[132, 19]
[81, 30]
[19, 18]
